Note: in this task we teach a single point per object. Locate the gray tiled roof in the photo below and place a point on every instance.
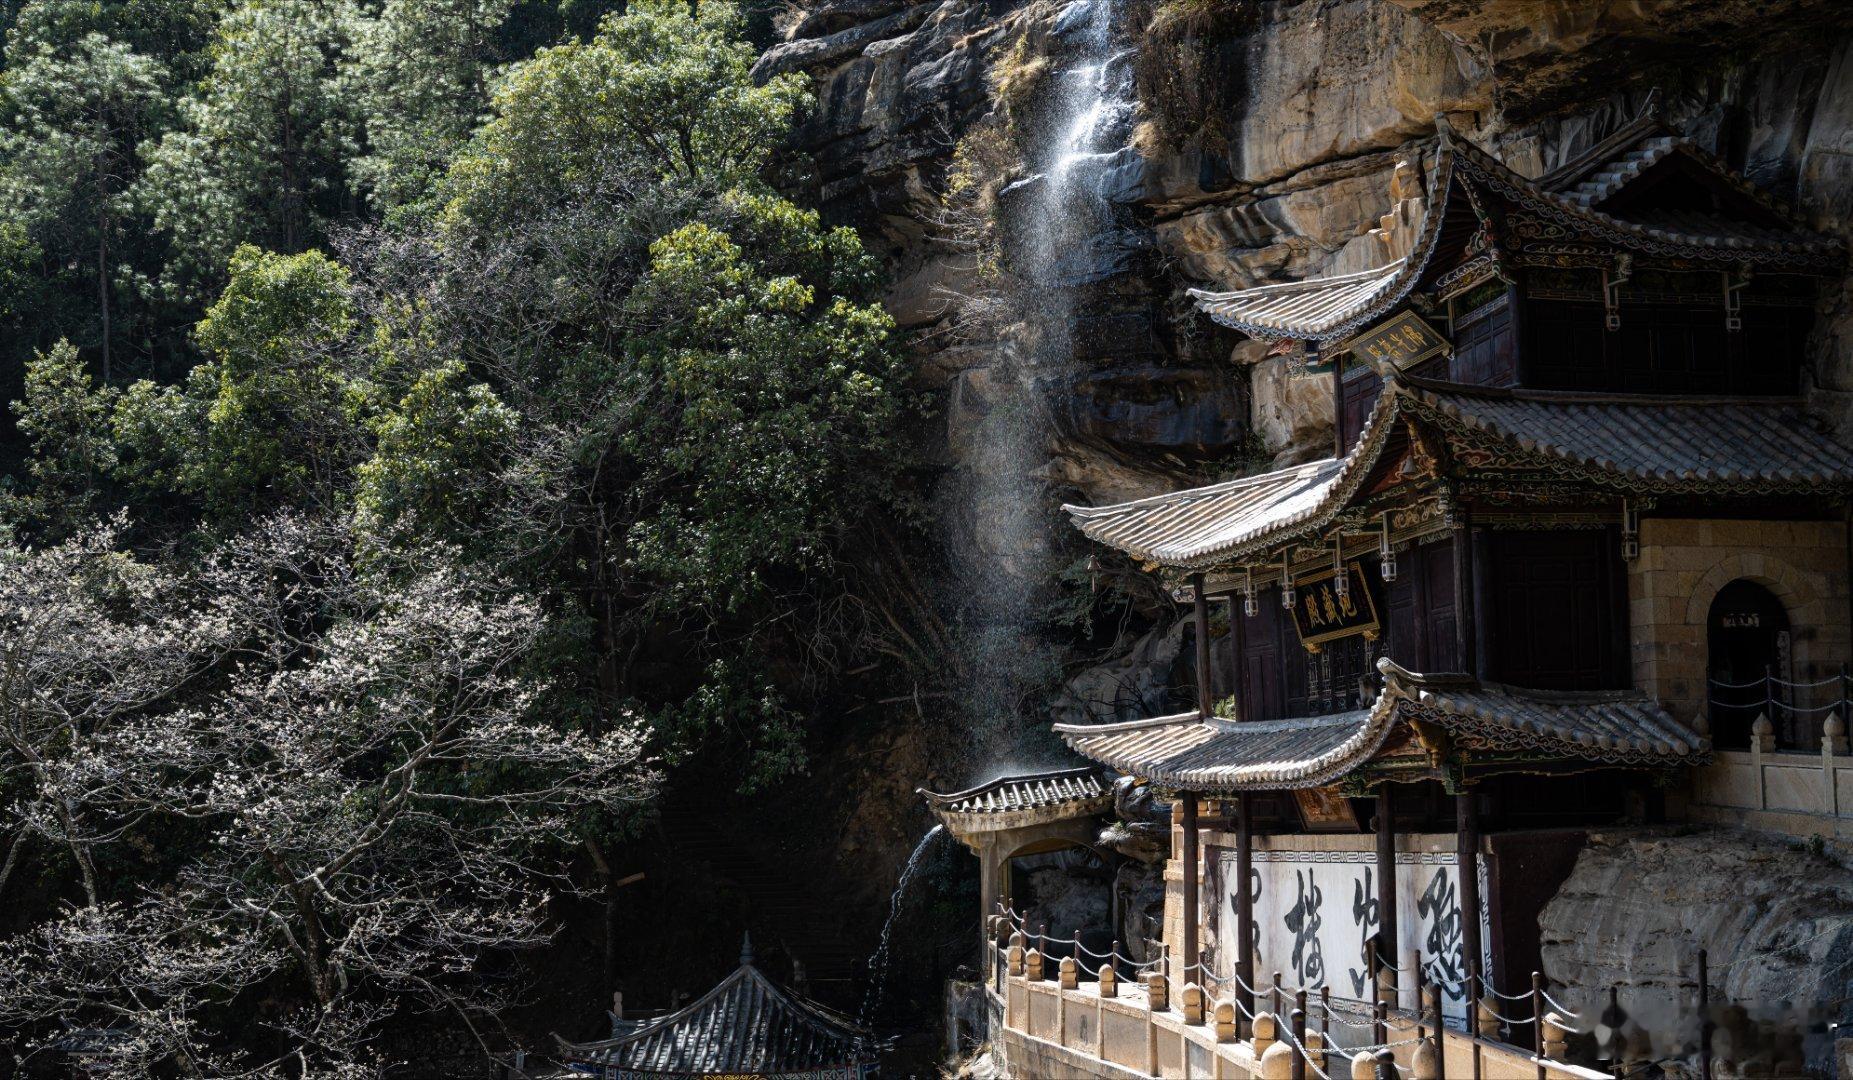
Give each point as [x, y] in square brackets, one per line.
[1212, 755]
[1215, 754]
[1743, 445]
[1602, 725]
[1647, 443]
[1030, 791]
[1328, 308]
[1621, 170]
[1312, 308]
[745, 1026]
[1696, 236]
[1183, 526]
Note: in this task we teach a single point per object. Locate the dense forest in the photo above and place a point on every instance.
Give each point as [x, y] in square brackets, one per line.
[432, 432]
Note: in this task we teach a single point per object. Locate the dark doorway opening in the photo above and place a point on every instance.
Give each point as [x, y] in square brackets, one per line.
[1747, 642]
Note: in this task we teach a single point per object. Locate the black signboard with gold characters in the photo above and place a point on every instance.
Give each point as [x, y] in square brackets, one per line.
[1321, 614]
[1401, 342]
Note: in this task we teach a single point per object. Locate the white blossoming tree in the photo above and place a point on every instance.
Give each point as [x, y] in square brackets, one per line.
[370, 809]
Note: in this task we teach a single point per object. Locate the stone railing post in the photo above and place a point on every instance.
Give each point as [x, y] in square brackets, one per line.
[1425, 1063]
[1157, 992]
[1556, 1037]
[1277, 1062]
[1070, 973]
[1193, 1003]
[1109, 976]
[1265, 1030]
[1032, 965]
[1484, 1019]
[1015, 957]
[1225, 1021]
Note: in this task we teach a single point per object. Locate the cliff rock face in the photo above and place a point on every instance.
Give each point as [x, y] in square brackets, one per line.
[1246, 142]
[1297, 115]
[1776, 922]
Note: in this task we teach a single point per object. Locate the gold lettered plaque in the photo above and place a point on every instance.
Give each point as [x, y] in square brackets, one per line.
[1401, 342]
[1325, 810]
[1321, 614]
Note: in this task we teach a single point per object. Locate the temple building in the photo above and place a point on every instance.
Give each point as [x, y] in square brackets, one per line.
[1578, 546]
[747, 1026]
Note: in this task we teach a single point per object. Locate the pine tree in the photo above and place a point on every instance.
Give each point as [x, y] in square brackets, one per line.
[258, 157]
[74, 112]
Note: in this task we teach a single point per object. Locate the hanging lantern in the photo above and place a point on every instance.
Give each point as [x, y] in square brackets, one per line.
[1286, 583]
[1385, 554]
[1341, 578]
[1250, 605]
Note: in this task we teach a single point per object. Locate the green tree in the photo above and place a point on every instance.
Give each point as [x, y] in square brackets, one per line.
[419, 74]
[259, 154]
[659, 98]
[65, 418]
[73, 114]
[273, 415]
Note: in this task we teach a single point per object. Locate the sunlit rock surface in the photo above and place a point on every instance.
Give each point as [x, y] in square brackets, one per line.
[1271, 153]
[1775, 919]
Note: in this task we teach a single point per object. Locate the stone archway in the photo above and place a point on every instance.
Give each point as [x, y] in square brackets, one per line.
[1683, 564]
[1747, 636]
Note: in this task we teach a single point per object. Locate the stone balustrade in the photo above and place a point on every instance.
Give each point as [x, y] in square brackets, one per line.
[1800, 793]
[1054, 1027]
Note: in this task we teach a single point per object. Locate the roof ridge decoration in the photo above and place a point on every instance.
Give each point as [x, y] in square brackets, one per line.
[1605, 150]
[1334, 307]
[1742, 446]
[818, 1038]
[1478, 166]
[1619, 727]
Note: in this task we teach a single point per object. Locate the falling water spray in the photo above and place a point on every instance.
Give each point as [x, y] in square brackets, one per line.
[1060, 234]
[878, 962]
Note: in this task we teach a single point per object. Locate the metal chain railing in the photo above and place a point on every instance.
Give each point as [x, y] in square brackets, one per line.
[1354, 1013]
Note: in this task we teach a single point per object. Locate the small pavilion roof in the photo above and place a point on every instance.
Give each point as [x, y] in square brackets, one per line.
[1027, 791]
[1631, 443]
[1215, 755]
[1012, 802]
[1582, 196]
[745, 1026]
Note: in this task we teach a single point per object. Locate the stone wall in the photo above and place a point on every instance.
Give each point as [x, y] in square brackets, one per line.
[1682, 565]
[1775, 918]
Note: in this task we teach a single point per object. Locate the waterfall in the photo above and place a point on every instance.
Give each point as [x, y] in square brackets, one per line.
[878, 961]
[1061, 232]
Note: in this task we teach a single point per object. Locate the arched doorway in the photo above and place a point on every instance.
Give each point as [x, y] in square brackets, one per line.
[1747, 637]
[1068, 888]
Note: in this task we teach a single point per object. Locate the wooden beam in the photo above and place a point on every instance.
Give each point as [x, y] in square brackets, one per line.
[1338, 402]
[1238, 662]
